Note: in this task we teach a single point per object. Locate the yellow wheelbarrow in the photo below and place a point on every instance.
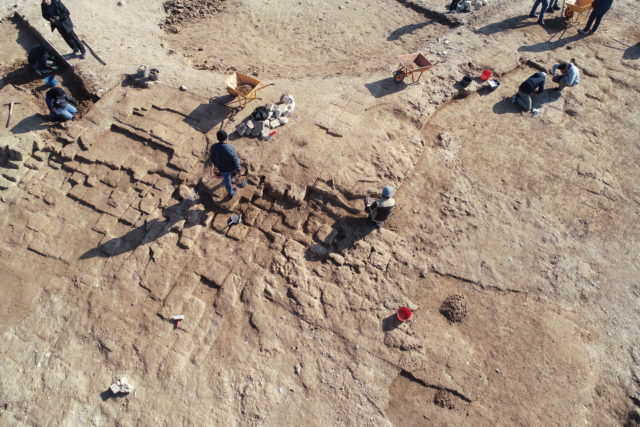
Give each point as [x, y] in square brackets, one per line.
[244, 88]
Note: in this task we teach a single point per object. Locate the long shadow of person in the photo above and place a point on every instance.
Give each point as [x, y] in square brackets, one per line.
[148, 232]
[550, 45]
[407, 29]
[506, 24]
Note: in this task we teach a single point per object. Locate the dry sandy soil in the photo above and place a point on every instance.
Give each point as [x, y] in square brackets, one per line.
[515, 239]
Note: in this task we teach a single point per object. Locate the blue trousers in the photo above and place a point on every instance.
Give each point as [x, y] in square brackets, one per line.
[545, 5]
[64, 114]
[226, 177]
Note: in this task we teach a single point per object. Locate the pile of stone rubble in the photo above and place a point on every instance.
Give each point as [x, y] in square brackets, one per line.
[278, 116]
[469, 5]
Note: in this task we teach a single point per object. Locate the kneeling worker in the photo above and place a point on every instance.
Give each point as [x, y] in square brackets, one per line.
[41, 60]
[59, 104]
[225, 159]
[569, 75]
[532, 86]
[380, 210]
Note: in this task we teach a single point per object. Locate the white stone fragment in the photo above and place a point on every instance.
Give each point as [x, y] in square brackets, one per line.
[283, 120]
[287, 99]
[250, 124]
[274, 123]
[241, 129]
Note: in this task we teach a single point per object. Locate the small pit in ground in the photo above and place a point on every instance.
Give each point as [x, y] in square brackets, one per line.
[303, 39]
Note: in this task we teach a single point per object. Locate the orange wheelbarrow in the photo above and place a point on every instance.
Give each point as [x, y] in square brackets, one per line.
[245, 88]
[411, 65]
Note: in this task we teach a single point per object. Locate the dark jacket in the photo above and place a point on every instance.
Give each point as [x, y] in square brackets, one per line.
[57, 14]
[380, 210]
[601, 6]
[533, 84]
[224, 157]
[38, 57]
[56, 99]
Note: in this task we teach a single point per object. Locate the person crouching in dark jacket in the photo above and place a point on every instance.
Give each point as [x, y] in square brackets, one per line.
[41, 60]
[59, 104]
[380, 210]
[225, 159]
[532, 86]
[58, 16]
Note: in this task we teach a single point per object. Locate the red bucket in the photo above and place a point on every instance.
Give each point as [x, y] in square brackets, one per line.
[404, 314]
[485, 75]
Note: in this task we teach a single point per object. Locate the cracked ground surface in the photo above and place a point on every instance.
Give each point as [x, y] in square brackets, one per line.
[290, 315]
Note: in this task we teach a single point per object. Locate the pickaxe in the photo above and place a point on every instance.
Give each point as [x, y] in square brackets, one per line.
[11, 110]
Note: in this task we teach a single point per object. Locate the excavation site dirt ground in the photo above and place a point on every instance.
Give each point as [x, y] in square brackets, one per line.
[514, 240]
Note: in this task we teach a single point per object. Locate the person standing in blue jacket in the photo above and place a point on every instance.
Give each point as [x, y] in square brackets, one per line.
[57, 14]
[600, 8]
[225, 159]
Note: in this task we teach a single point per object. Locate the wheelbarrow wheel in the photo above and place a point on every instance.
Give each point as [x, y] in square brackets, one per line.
[399, 75]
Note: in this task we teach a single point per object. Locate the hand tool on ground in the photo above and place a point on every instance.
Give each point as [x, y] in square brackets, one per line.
[93, 52]
[11, 110]
[176, 319]
[621, 42]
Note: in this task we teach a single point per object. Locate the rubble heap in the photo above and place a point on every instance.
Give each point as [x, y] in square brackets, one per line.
[278, 116]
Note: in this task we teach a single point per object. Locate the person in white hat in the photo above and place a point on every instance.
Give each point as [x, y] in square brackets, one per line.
[380, 210]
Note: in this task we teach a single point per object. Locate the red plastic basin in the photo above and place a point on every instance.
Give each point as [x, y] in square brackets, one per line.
[404, 314]
[485, 75]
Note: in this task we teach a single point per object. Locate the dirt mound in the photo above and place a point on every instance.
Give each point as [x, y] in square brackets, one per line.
[180, 12]
[454, 308]
[444, 399]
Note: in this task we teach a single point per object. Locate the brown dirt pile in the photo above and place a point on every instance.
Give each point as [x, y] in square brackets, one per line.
[181, 12]
[444, 399]
[454, 308]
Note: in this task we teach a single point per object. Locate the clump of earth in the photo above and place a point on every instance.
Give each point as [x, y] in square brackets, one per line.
[454, 308]
[180, 12]
[444, 399]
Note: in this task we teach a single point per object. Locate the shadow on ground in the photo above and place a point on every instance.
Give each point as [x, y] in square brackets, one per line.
[207, 116]
[632, 53]
[407, 29]
[385, 87]
[29, 124]
[346, 232]
[550, 44]
[507, 24]
[390, 323]
[148, 232]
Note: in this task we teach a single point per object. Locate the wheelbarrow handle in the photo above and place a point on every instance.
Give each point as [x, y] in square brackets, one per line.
[264, 86]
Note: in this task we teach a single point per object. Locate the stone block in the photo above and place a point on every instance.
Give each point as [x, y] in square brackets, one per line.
[78, 192]
[237, 232]
[105, 224]
[296, 194]
[326, 234]
[130, 216]
[148, 204]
